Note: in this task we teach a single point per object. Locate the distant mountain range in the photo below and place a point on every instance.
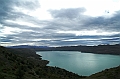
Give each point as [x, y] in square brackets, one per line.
[100, 49]
[27, 46]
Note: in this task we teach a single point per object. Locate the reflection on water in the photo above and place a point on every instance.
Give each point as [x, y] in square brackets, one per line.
[80, 63]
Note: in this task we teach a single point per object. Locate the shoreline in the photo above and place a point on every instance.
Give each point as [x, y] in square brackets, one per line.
[81, 74]
[82, 52]
[100, 49]
[36, 68]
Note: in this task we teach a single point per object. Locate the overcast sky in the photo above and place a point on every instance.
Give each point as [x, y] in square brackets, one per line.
[59, 22]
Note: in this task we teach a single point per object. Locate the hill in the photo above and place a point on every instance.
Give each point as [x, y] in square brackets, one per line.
[112, 73]
[25, 64]
[22, 63]
[100, 49]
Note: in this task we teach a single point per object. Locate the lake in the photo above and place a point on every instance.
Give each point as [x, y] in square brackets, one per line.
[80, 63]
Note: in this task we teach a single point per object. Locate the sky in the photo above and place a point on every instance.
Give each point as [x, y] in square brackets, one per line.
[59, 22]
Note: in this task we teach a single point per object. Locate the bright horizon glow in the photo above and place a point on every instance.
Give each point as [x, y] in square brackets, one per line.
[91, 32]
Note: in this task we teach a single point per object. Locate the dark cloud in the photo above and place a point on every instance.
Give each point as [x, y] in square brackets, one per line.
[7, 8]
[46, 32]
[106, 24]
[6, 39]
[28, 4]
[70, 13]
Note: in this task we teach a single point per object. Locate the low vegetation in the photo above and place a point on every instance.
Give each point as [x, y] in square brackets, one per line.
[29, 66]
[26, 64]
[112, 73]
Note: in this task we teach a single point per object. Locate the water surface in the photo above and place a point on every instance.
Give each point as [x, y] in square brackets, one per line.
[80, 63]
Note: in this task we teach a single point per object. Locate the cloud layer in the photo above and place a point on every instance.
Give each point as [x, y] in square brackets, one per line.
[68, 26]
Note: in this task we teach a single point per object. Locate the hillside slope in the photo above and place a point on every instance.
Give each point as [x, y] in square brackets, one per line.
[112, 73]
[26, 64]
[16, 66]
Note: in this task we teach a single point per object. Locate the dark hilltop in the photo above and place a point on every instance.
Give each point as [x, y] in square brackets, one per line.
[100, 49]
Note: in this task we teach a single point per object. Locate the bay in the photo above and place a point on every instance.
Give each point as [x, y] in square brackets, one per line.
[80, 63]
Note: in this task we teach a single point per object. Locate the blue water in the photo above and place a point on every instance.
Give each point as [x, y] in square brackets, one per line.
[80, 63]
